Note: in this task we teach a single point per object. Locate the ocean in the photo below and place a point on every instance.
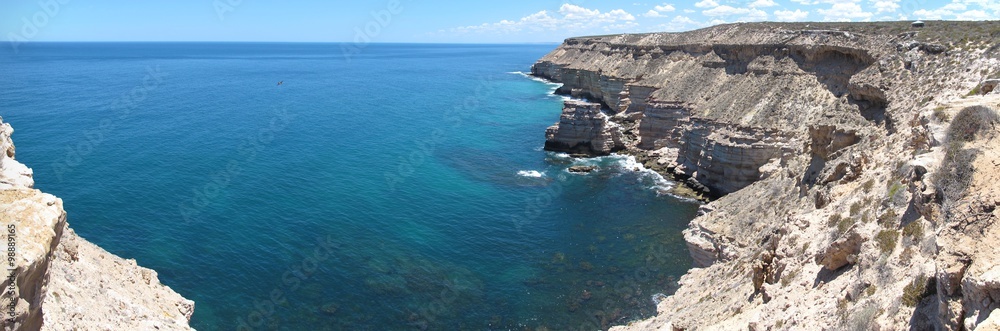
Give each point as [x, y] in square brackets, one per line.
[403, 187]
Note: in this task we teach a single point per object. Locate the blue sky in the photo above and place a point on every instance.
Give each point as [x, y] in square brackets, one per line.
[425, 21]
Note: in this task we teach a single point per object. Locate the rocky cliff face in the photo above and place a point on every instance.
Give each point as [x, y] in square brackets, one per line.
[584, 129]
[828, 148]
[56, 280]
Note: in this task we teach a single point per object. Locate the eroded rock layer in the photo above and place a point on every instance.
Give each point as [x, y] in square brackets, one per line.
[853, 192]
[584, 129]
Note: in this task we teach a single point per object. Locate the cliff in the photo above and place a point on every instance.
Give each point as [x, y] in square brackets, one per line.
[852, 165]
[56, 280]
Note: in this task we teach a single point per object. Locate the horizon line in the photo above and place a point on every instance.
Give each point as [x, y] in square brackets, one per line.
[292, 42]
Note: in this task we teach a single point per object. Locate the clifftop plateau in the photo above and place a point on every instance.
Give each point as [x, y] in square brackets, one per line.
[56, 280]
[852, 165]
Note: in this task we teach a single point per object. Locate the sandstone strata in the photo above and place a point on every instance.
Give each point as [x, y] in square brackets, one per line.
[584, 129]
[844, 202]
[63, 282]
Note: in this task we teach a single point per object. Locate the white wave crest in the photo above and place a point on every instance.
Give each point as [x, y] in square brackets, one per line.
[628, 163]
[537, 79]
[530, 174]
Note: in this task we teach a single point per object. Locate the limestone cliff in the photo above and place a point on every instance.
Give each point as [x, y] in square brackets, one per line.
[845, 200]
[584, 129]
[59, 281]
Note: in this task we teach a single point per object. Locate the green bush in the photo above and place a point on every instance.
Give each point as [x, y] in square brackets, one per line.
[972, 122]
[855, 208]
[888, 219]
[955, 174]
[867, 186]
[787, 278]
[975, 90]
[915, 291]
[834, 219]
[895, 188]
[886, 240]
[844, 225]
[914, 230]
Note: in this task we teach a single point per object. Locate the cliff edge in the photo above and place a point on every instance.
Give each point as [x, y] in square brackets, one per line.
[852, 166]
[55, 280]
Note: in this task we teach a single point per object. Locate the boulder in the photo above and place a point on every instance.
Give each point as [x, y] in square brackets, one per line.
[841, 252]
[988, 86]
[582, 169]
[584, 129]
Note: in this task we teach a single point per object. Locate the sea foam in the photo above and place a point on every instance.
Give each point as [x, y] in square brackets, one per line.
[627, 163]
[530, 174]
[554, 86]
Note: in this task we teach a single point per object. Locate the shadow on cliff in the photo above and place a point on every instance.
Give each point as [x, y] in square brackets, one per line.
[925, 315]
[825, 276]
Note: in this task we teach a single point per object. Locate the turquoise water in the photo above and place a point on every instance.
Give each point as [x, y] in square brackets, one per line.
[401, 189]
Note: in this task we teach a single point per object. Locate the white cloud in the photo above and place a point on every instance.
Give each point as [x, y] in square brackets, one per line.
[684, 20]
[684, 23]
[830, 2]
[984, 4]
[618, 14]
[935, 14]
[706, 4]
[679, 23]
[744, 14]
[885, 6]
[659, 10]
[653, 13]
[974, 10]
[966, 10]
[763, 3]
[569, 17]
[664, 8]
[845, 11]
[955, 6]
[790, 16]
[625, 26]
[974, 15]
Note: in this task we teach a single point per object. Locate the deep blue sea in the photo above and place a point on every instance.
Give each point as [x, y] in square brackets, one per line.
[402, 188]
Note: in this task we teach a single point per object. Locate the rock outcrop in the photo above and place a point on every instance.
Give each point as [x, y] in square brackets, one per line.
[59, 281]
[988, 86]
[12, 173]
[844, 199]
[584, 129]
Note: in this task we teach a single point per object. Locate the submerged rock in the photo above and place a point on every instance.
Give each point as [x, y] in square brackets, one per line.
[330, 308]
[582, 169]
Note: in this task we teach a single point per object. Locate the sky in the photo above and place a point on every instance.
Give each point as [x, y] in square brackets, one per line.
[419, 21]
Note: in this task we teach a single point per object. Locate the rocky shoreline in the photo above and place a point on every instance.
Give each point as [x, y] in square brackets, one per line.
[59, 281]
[592, 132]
[830, 155]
